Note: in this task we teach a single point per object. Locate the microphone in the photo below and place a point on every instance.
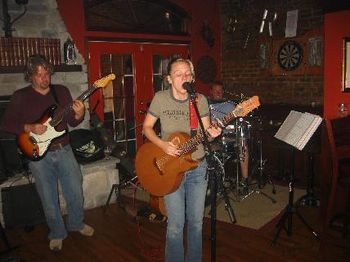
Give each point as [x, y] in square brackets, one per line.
[188, 87]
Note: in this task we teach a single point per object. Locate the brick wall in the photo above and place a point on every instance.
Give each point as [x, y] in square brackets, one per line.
[241, 72]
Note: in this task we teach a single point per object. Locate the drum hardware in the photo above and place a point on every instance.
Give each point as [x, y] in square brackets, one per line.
[220, 110]
[235, 139]
[261, 179]
[221, 189]
[244, 190]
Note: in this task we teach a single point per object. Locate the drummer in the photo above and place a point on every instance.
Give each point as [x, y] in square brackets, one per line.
[217, 96]
[216, 92]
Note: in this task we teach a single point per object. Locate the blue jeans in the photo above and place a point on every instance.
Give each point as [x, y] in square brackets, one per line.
[59, 166]
[186, 203]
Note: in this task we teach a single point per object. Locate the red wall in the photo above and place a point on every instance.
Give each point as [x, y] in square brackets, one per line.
[73, 15]
[336, 27]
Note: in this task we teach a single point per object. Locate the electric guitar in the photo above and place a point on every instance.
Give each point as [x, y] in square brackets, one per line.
[160, 173]
[35, 146]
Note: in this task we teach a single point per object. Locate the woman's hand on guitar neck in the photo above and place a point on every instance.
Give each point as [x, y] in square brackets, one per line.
[214, 131]
[35, 128]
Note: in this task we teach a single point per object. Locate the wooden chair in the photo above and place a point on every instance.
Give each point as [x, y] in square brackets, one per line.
[338, 144]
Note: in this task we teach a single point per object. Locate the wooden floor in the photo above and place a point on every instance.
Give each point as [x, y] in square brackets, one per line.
[121, 237]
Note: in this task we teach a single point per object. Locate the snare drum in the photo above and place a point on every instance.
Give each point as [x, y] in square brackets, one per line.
[228, 139]
[230, 130]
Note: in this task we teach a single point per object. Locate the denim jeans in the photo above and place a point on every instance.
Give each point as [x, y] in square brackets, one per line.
[59, 165]
[186, 203]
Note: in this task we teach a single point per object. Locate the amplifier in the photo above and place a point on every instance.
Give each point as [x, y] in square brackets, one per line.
[21, 206]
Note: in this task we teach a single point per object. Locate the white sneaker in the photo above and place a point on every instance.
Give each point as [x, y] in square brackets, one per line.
[87, 231]
[56, 244]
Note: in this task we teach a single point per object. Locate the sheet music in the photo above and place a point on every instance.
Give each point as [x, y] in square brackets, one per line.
[298, 128]
[291, 23]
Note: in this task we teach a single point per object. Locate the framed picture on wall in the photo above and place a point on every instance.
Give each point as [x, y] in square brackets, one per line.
[346, 65]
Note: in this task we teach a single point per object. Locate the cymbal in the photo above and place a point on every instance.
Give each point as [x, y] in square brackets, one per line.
[212, 101]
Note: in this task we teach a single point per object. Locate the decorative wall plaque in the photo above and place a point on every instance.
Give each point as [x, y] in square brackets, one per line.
[206, 69]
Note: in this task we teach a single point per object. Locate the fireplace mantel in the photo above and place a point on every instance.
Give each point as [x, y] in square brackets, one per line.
[58, 68]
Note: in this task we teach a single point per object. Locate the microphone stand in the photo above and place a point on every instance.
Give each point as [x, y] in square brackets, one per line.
[212, 179]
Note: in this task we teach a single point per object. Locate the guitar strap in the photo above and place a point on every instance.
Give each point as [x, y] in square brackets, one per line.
[53, 92]
[193, 118]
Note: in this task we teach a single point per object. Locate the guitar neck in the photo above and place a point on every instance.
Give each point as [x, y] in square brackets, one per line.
[60, 115]
[197, 139]
[229, 117]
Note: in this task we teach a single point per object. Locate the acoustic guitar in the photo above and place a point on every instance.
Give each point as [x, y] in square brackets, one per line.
[160, 173]
[35, 146]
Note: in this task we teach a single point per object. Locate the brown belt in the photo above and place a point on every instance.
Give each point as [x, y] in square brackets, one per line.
[55, 147]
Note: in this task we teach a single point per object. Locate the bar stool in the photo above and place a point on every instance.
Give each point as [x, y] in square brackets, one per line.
[338, 144]
[342, 219]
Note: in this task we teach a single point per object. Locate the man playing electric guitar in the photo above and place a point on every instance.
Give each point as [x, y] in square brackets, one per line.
[58, 164]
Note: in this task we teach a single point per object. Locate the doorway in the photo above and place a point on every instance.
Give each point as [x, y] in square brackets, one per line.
[140, 70]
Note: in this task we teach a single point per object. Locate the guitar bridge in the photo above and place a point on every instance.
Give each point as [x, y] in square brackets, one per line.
[159, 164]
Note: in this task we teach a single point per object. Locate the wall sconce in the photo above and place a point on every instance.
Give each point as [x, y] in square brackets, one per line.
[7, 18]
[207, 34]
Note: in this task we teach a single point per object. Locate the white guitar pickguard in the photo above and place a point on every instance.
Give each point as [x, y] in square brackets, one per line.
[44, 140]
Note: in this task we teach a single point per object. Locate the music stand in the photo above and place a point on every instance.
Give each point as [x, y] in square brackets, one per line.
[296, 130]
[310, 198]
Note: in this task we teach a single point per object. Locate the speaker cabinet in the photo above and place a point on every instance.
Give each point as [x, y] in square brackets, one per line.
[21, 206]
[10, 160]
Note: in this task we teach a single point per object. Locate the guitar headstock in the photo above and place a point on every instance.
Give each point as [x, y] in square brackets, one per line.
[242, 109]
[102, 82]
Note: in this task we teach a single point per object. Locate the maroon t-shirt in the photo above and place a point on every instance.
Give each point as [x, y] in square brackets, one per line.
[28, 106]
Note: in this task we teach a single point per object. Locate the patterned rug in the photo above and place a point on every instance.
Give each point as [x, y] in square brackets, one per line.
[256, 210]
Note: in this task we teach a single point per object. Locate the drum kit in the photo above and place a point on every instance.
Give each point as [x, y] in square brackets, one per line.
[240, 141]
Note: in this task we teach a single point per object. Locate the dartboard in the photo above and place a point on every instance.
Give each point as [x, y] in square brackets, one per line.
[290, 55]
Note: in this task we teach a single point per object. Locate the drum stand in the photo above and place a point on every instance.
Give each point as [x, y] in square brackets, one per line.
[222, 189]
[262, 177]
[244, 189]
